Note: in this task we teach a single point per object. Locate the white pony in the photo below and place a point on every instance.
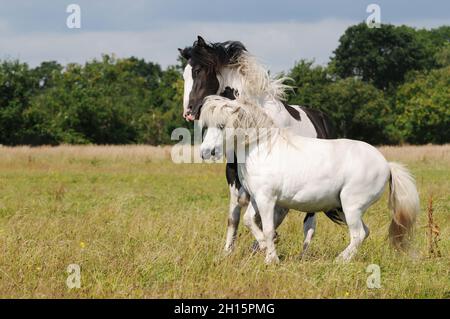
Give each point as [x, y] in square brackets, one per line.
[228, 67]
[308, 174]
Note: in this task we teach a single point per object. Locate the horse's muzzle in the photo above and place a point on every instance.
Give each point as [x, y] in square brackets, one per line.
[193, 113]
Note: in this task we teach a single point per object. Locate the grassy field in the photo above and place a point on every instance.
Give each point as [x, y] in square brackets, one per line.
[140, 226]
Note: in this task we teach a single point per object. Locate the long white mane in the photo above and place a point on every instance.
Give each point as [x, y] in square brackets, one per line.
[246, 120]
[252, 81]
[221, 112]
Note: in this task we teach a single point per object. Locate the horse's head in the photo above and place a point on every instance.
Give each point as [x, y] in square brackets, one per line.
[215, 117]
[234, 124]
[205, 62]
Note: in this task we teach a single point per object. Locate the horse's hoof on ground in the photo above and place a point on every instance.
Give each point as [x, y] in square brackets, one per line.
[341, 259]
[303, 255]
[227, 251]
[304, 252]
[255, 247]
[272, 260]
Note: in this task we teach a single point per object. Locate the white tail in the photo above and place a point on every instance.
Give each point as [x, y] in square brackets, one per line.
[404, 202]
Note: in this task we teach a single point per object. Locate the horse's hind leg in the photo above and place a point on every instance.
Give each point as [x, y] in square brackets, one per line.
[357, 229]
[309, 227]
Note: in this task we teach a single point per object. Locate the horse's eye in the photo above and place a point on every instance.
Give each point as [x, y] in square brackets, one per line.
[196, 72]
[220, 126]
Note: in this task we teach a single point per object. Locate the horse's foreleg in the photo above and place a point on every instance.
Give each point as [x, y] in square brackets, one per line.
[309, 228]
[249, 221]
[266, 208]
[234, 215]
[280, 214]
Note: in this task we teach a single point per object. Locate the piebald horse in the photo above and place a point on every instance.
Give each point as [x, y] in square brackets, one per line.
[229, 70]
[281, 169]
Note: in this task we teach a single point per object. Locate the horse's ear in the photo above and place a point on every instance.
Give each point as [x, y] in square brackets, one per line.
[185, 53]
[201, 42]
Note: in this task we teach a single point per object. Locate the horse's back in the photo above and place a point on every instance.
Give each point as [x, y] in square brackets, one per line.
[317, 172]
[344, 159]
[322, 122]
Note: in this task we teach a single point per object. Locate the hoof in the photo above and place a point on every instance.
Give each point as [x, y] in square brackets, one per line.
[342, 259]
[257, 247]
[227, 251]
[303, 255]
[272, 260]
[305, 250]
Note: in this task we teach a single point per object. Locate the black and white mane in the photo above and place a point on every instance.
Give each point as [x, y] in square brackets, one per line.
[214, 55]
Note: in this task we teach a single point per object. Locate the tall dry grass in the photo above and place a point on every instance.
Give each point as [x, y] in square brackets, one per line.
[143, 152]
[416, 153]
[109, 158]
[64, 152]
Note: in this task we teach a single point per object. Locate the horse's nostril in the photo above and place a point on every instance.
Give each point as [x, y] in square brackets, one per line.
[213, 152]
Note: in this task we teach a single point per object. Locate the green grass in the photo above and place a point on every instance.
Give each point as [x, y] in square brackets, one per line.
[141, 226]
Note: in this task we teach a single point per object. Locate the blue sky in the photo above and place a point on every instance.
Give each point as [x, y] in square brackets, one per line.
[279, 32]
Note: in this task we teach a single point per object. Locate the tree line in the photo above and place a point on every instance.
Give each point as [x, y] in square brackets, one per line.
[385, 85]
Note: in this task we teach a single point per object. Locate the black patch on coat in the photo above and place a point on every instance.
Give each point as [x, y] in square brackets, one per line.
[292, 111]
[229, 93]
[335, 216]
[322, 123]
[331, 214]
[308, 216]
[231, 172]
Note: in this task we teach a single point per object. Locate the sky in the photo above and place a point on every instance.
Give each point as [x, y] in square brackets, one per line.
[279, 32]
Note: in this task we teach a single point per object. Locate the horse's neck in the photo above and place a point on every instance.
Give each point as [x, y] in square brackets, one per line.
[228, 77]
[257, 155]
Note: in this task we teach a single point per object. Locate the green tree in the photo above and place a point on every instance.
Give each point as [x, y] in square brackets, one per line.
[17, 86]
[359, 111]
[107, 101]
[381, 56]
[308, 83]
[424, 108]
[94, 103]
[443, 55]
[46, 74]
